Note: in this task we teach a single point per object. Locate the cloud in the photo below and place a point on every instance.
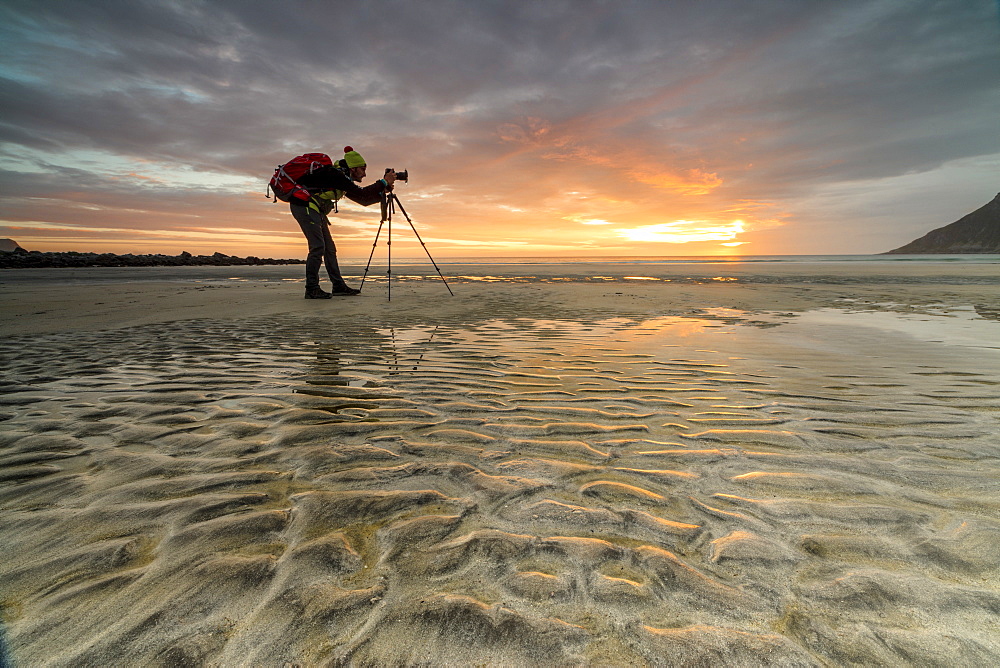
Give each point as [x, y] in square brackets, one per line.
[702, 111]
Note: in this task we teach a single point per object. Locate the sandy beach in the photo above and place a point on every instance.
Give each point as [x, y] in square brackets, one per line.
[565, 464]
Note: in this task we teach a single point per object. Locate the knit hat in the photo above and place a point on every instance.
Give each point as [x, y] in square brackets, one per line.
[353, 158]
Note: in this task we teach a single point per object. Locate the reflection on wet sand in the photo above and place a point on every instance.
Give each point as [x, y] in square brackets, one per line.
[514, 491]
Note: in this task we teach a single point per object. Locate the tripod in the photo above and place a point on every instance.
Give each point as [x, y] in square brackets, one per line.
[389, 203]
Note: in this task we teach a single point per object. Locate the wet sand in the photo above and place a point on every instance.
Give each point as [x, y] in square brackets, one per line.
[581, 467]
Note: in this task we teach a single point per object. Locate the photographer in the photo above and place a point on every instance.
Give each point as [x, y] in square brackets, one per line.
[327, 185]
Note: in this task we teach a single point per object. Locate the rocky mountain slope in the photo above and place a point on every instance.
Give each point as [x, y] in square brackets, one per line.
[977, 232]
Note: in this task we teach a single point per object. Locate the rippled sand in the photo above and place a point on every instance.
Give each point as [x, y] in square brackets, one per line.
[495, 486]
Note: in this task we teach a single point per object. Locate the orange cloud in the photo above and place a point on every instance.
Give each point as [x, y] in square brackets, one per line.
[690, 182]
[638, 167]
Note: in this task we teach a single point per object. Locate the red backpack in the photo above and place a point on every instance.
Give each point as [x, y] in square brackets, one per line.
[284, 184]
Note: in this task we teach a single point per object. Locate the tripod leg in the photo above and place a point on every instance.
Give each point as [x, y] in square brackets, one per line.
[388, 272]
[396, 200]
[371, 255]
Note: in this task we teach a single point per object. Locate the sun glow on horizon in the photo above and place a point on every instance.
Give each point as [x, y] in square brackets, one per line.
[686, 231]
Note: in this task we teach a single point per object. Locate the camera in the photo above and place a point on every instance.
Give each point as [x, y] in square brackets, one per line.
[400, 176]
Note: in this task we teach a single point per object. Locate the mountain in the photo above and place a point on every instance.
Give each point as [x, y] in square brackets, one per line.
[9, 246]
[978, 232]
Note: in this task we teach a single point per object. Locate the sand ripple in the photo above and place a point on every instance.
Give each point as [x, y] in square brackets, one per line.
[514, 492]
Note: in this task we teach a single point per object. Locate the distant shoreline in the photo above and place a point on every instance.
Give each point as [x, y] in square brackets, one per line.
[22, 259]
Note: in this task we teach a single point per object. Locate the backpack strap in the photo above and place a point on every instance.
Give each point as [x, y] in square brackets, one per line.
[325, 199]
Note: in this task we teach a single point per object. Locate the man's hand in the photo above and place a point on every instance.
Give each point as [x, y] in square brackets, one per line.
[390, 177]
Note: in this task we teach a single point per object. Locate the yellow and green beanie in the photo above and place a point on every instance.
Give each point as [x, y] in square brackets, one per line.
[353, 158]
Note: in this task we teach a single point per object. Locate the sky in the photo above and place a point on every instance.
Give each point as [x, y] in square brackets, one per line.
[555, 128]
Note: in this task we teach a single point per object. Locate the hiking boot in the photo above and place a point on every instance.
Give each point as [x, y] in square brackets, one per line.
[317, 293]
[346, 291]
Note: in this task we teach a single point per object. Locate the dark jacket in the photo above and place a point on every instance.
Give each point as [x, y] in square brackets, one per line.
[335, 179]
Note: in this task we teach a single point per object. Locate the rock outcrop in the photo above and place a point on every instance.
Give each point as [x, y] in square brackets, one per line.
[978, 232]
[18, 258]
[9, 246]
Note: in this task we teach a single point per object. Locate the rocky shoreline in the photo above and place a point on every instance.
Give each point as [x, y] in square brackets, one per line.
[22, 259]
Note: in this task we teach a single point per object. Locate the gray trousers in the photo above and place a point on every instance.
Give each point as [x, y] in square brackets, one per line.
[316, 228]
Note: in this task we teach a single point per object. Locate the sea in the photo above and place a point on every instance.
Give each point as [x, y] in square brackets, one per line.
[694, 269]
[717, 259]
